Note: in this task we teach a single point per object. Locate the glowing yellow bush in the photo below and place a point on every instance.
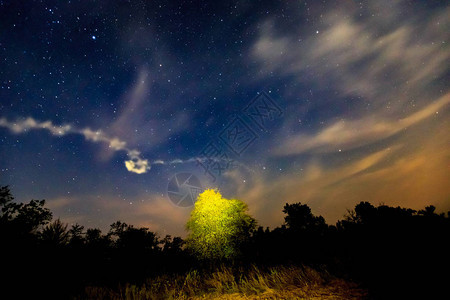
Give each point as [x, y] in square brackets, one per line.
[218, 226]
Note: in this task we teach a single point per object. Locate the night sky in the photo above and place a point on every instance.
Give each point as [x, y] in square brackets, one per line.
[327, 103]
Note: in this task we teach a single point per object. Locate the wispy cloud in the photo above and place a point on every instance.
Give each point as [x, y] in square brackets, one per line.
[345, 135]
[151, 118]
[135, 164]
[411, 172]
[359, 56]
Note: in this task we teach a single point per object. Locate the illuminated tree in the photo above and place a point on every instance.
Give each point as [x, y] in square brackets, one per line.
[218, 226]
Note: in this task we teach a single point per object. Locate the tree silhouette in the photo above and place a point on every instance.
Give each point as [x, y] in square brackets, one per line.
[172, 245]
[137, 240]
[24, 260]
[95, 239]
[19, 219]
[299, 218]
[429, 211]
[116, 229]
[5, 198]
[218, 226]
[76, 235]
[56, 233]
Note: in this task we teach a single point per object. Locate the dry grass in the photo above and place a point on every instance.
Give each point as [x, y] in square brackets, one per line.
[227, 283]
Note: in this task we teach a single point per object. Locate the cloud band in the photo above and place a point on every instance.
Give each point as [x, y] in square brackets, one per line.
[135, 164]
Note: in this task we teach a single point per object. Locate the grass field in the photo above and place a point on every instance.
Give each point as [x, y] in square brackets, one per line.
[237, 283]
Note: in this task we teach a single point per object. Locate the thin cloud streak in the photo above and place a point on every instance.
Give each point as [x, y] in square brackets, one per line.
[346, 135]
[136, 164]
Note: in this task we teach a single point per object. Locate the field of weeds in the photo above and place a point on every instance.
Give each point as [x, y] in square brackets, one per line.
[236, 283]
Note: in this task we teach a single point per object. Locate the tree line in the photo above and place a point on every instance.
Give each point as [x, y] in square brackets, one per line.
[387, 249]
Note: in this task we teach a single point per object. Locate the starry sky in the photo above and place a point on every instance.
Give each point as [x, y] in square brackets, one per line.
[327, 103]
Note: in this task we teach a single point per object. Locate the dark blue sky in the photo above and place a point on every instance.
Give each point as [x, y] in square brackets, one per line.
[357, 110]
